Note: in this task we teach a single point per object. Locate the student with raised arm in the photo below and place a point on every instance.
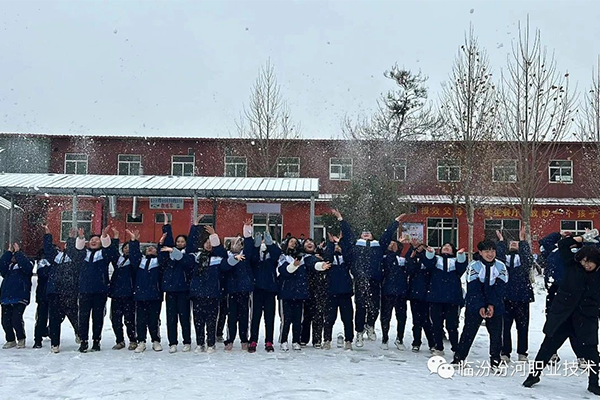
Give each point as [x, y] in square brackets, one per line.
[313, 314]
[15, 292]
[519, 293]
[418, 287]
[367, 256]
[93, 263]
[41, 298]
[63, 286]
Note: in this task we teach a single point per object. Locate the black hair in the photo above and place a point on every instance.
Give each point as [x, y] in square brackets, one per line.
[124, 244]
[95, 235]
[452, 246]
[183, 236]
[486, 244]
[589, 253]
[40, 254]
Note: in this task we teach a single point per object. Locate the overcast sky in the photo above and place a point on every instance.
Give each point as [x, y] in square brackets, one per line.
[185, 68]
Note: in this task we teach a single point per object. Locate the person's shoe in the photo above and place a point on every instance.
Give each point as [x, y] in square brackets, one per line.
[303, 344]
[187, 348]
[132, 346]
[348, 345]
[431, 349]
[77, 339]
[416, 349]
[523, 358]
[21, 344]
[156, 346]
[385, 346]
[211, 349]
[327, 345]
[83, 347]
[119, 346]
[594, 389]
[173, 349]
[229, 347]
[531, 380]
[399, 345]
[505, 358]
[340, 340]
[555, 359]
[245, 346]
[455, 361]
[37, 344]
[200, 349]
[141, 347]
[371, 335]
[296, 346]
[317, 345]
[359, 341]
[54, 350]
[252, 347]
[9, 345]
[269, 347]
[439, 353]
[96, 345]
[220, 339]
[284, 347]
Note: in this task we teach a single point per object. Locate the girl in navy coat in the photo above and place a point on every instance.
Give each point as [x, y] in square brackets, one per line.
[239, 286]
[15, 292]
[445, 294]
[418, 286]
[41, 312]
[205, 291]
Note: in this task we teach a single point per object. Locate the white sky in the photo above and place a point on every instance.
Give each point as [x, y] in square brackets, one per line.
[185, 68]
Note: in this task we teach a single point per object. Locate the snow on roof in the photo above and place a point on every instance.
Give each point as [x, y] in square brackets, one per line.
[166, 186]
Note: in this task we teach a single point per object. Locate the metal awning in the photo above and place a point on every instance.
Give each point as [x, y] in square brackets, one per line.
[159, 186]
[5, 203]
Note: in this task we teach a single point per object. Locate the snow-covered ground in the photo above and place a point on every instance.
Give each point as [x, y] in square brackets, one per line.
[364, 373]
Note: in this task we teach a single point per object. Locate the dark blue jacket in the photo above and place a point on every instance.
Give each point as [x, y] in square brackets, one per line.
[444, 279]
[555, 268]
[16, 282]
[93, 270]
[518, 264]
[123, 277]
[485, 288]
[418, 278]
[239, 273]
[63, 272]
[42, 271]
[264, 268]
[206, 271]
[395, 275]
[147, 273]
[367, 256]
[176, 273]
[339, 279]
[294, 285]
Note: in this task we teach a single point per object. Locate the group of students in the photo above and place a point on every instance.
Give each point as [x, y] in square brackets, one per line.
[245, 280]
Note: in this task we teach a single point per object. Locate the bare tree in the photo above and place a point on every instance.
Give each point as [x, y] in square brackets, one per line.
[267, 122]
[589, 130]
[536, 111]
[469, 114]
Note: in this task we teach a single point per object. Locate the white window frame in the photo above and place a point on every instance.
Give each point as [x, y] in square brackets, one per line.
[129, 215]
[400, 162]
[341, 166]
[236, 164]
[440, 166]
[76, 162]
[501, 229]
[264, 225]
[129, 163]
[560, 169]
[577, 230]
[159, 216]
[66, 218]
[183, 164]
[442, 229]
[504, 165]
[283, 168]
[319, 226]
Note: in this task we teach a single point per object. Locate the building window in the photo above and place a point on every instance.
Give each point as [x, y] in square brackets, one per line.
[448, 170]
[159, 218]
[340, 169]
[576, 227]
[183, 165]
[76, 163]
[259, 224]
[510, 228]
[130, 164]
[236, 166]
[84, 220]
[399, 167]
[288, 167]
[207, 220]
[561, 171]
[504, 171]
[439, 231]
[138, 219]
[319, 230]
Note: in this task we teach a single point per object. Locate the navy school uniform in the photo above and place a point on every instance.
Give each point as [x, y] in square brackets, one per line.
[93, 285]
[313, 314]
[339, 290]
[518, 295]
[62, 288]
[15, 293]
[418, 286]
[122, 305]
[445, 295]
[41, 298]
[553, 266]
[394, 292]
[147, 294]
[293, 293]
[485, 286]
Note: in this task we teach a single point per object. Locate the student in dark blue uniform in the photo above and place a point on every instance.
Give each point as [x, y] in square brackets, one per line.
[338, 257]
[367, 256]
[239, 286]
[41, 312]
[486, 281]
[313, 314]
[16, 271]
[264, 267]
[63, 286]
[519, 293]
[93, 283]
[445, 295]
[418, 286]
[122, 305]
[205, 291]
[176, 285]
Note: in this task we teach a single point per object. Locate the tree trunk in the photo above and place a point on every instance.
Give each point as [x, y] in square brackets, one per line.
[470, 225]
